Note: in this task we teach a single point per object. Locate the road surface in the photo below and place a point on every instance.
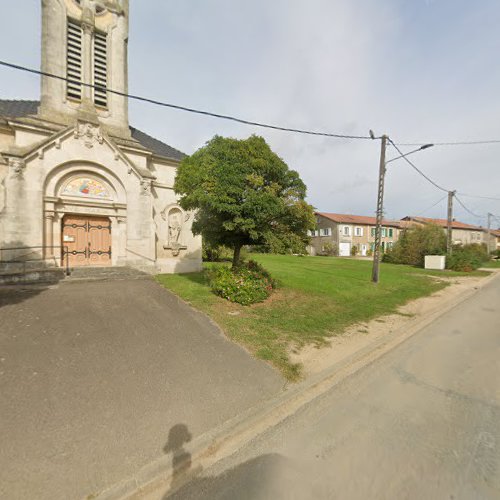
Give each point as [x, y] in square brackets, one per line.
[422, 422]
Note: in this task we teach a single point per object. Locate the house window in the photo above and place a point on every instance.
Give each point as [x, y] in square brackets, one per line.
[347, 231]
[384, 232]
[373, 230]
[74, 61]
[326, 231]
[358, 231]
[389, 245]
[100, 69]
[390, 232]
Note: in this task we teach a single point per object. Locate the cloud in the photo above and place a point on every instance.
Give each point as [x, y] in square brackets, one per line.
[419, 71]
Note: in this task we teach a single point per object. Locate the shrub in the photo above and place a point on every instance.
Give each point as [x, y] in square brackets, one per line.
[329, 249]
[246, 284]
[467, 257]
[415, 243]
[354, 251]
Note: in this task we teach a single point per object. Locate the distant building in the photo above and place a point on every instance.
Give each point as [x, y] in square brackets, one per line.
[461, 233]
[342, 233]
[496, 235]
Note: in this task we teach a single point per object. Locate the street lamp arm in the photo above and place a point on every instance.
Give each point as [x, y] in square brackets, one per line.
[425, 146]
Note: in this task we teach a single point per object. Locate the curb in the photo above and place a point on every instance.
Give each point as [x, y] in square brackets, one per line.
[153, 480]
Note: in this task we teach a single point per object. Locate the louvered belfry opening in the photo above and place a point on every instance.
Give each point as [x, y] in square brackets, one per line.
[74, 61]
[100, 69]
[75, 58]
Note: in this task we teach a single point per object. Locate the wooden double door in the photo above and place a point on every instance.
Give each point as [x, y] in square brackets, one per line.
[86, 240]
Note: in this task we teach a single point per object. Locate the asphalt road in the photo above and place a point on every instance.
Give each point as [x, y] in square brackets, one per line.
[422, 422]
[100, 379]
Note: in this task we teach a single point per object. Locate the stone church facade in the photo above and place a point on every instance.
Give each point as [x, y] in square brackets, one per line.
[76, 181]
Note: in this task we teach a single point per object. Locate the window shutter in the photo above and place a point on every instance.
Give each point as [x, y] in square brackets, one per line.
[74, 61]
[100, 69]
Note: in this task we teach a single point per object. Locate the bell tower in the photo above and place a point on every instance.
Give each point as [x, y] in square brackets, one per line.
[86, 42]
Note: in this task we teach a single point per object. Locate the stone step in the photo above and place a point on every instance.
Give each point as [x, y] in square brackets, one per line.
[105, 273]
[32, 276]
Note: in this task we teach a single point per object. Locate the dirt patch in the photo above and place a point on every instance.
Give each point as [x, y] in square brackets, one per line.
[316, 359]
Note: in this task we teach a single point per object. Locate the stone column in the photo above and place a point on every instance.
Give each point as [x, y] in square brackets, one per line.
[87, 102]
[49, 235]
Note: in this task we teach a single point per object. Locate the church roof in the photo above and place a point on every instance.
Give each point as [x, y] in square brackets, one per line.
[21, 108]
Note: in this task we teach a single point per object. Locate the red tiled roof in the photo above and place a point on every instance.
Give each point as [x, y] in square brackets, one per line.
[357, 219]
[442, 222]
[496, 232]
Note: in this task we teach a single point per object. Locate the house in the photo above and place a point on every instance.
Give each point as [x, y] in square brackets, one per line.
[496, 235]
[343, 234]
[76, 181]
[461, 233]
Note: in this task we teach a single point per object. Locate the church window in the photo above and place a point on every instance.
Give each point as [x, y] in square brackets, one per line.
[100, 69]
[74, 61]
[86, 187]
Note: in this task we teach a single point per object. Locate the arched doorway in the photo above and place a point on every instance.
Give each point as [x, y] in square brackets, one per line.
[86, 214]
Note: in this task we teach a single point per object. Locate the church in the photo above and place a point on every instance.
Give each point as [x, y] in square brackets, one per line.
[78, 185]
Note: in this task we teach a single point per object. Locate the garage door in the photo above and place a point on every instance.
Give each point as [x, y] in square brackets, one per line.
[344, 249]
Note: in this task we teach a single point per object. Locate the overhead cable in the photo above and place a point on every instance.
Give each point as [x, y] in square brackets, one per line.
[184, 108]
[416, 168]
[467, 209]
[432, 206]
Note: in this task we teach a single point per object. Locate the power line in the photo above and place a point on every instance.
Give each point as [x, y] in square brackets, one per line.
[228, 117]
[183, 108]
[457, 143]
[432, 206]
[467, 209]
[478, 196]
[416, 168]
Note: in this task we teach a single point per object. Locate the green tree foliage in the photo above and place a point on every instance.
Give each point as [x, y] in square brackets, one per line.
[467, 257]
[243, 194]
[415, 243]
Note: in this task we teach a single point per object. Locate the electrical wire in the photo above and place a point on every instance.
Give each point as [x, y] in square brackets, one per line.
[467, 209]
[457, 143]
[432, 206]
[478, 196]
[184, 108]
[416, 168]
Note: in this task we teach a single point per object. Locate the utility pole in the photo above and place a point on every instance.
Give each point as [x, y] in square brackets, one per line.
[490, 216]
[380, 210]
[451, 194]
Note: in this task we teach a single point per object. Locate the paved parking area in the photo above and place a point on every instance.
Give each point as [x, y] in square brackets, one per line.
[93, 375]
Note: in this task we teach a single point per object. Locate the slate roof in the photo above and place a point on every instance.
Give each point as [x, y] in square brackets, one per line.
[20, 108]
[357, 219]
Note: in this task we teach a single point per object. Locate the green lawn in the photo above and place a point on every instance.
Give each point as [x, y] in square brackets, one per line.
[492, 264]
[318, 298]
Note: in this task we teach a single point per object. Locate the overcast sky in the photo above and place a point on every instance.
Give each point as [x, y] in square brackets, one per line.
[418, 70]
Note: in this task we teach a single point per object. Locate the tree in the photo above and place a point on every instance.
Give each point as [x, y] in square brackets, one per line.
[243, 194]
[415, 243]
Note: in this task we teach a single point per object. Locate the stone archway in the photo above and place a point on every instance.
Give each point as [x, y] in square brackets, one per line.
[85, 206]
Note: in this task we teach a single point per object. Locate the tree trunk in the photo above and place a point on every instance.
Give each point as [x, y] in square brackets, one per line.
[236, 255]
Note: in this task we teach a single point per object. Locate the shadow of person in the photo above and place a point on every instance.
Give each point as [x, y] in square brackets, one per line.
[178, 437]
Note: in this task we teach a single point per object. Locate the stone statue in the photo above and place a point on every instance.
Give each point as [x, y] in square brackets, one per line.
[175, 219]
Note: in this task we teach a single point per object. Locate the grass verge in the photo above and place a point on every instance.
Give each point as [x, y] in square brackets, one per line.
[318, 298]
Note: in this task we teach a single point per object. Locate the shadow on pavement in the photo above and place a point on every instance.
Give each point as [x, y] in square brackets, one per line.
[15, 294]
[258, 478]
